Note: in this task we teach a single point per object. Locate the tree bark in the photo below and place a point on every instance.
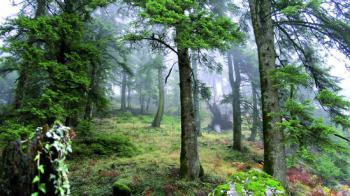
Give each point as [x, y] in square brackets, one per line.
[196, 97]
[190, 167]
[274, 149]
[160, 111]
[123, 93]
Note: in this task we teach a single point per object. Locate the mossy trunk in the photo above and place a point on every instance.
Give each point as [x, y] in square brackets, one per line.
[160, 111]
[190, 167]
[274, 149]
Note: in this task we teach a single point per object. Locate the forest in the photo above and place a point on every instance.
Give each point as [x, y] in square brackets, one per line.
[175, 97]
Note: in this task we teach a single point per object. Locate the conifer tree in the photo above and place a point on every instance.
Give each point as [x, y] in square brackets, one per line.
[195, 28]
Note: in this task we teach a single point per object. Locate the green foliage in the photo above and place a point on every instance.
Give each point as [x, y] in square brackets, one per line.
[196, 27]
[290, 75]
[12, 130]
[290, 8]
[252, 182]
[337, 107]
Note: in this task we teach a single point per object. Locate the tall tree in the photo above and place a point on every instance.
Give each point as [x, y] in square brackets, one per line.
[234, 65]
[195, 28]
[274, 149]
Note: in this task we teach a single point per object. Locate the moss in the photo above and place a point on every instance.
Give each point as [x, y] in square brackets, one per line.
[105, 145]
[121, 188]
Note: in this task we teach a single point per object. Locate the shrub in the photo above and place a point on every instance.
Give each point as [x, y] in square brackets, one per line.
[84, 128]
[252, 182]
[105, 145]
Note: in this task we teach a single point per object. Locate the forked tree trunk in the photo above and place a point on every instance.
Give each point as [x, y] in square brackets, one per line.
[160, 111]
[190, 167]
[274, 149]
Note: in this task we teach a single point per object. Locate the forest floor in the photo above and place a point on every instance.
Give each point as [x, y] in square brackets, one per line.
[154, 168]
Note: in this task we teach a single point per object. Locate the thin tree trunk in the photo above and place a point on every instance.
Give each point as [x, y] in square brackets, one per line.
[235, 83]
[129, 96]
[91, 92]
[141, 102]
[196, 97]
[274, 149]
[237, 130]
[148, 103]
[255, 113]
[190, 167]
[160, 111]
[123, 94]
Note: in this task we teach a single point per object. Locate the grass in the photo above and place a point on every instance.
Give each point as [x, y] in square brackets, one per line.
[154, 170]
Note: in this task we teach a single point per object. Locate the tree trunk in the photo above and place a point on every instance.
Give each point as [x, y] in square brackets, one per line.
[196, 97]
[142, 105]
[237, 119]
[123, 94]
[255, 113]
[159, 115]
[129, 96]
[190, 167]
[274, 149]
[92, 90]
[148, 103]
[235, 83]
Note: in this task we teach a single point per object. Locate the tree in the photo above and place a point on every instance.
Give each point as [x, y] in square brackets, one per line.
[195, 28]
[160, 110]
[54, 60]
[299, 26]
[234, 67]
[274, 149]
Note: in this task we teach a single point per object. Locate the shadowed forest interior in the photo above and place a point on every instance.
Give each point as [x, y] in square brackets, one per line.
[175, 97]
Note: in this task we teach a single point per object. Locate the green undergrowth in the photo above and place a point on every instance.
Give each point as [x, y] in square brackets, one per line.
[153, 168]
